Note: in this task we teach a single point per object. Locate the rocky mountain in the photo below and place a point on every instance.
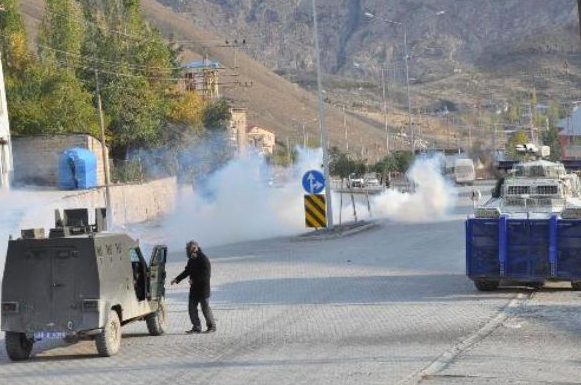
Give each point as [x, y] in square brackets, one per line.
[450, 42]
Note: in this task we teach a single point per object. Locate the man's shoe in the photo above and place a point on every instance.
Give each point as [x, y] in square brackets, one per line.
[194, 330]
[210, 330]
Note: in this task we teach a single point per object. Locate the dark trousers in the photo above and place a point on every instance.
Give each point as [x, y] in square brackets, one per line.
[193, 310]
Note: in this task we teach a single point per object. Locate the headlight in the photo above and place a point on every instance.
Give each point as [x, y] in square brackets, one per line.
[487, 212]
[10, 307]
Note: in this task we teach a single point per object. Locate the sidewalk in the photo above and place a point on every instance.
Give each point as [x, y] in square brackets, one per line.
[539, 343]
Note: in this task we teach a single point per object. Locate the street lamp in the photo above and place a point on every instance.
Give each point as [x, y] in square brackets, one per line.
[384, 99]
[407, 71]
[322, 128]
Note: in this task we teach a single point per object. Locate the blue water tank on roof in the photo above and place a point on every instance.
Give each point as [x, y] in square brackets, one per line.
[77, 169]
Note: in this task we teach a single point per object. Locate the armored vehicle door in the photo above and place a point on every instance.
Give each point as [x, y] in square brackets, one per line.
[157, 272]
[50, 288]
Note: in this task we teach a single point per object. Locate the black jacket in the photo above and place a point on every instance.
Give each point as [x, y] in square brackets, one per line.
[199, 271]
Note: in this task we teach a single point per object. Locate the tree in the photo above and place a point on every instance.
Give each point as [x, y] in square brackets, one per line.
[339, 164]
[551, 138]
[217, 115]
[517, 138]
[403, 160]
[61, 32]
[51, 101]
[188, 110]
[136, 72]
[13, 39]
[553, 113]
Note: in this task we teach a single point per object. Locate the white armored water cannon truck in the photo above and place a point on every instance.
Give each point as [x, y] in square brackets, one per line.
[529, 232]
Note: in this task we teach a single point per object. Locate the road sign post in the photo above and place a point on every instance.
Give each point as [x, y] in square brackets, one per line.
[314, 184]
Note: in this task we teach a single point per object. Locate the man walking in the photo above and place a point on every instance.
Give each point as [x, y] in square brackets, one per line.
[198, 270]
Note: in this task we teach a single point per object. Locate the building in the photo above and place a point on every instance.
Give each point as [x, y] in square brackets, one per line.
[261, 139]
[202, 77]
[237, 130]
[570, 135]
[36, 158]
[6, 162]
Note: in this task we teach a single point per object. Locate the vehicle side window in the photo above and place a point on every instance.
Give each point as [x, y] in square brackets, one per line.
[133, 255]
[159, 257]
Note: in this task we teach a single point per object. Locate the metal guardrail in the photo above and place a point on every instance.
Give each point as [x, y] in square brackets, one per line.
[401, 185]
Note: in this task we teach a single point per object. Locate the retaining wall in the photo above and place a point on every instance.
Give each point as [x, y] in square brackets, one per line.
[131, 203]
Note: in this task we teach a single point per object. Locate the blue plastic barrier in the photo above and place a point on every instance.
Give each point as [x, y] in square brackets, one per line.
[524, 249]
[482, 248]
[568, 234]
[77, 169]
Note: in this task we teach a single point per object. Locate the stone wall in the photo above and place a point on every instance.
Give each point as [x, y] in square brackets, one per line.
[131, 203]
[36, 158]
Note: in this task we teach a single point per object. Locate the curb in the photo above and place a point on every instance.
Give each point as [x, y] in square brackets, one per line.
[341, 234]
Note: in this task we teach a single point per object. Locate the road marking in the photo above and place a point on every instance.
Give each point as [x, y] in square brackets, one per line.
[450, 355]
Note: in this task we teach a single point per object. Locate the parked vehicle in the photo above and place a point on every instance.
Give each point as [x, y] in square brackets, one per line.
[464, 172]
[371, 181]
[355, 181]
[80, 282]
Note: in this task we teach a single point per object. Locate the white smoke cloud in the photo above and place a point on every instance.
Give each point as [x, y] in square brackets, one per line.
[432, 199]
[237, 204]
[22, 209]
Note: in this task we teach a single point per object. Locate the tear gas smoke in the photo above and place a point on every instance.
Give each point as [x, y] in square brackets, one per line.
[23, 209]
[242, 202]
[237, 203]
[432, 199]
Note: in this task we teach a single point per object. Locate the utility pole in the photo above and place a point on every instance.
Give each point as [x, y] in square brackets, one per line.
[304, 136]
[345, 128]
[579, 11]
[346, 139]
[288, 151]
[407, 79]
[384, 91]
[322, 128]
[104, 154]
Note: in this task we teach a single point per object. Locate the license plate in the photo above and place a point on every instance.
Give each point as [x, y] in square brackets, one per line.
[49, 335]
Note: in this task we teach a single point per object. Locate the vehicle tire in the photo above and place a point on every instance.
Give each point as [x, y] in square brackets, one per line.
[18, 346]
[484, 285]
[576, 286]
[108, 341]
[156, 321]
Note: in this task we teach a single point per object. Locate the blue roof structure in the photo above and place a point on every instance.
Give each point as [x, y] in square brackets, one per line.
[201, 64]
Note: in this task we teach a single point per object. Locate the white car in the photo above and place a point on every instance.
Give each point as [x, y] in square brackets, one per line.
[355, 181]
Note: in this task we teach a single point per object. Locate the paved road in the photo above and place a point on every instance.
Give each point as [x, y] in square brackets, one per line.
[387, 306]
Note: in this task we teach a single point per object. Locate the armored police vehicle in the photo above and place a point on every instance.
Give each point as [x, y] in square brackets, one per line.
[529, 232]
[79, 282]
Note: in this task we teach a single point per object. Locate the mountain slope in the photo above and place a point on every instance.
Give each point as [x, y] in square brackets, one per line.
[452, 43]
[273, 102]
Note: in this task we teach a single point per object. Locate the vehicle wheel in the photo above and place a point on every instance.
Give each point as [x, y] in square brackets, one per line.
[576, 286]
[109, 340]
[156, 321]
[18, 346]
[483, 285]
